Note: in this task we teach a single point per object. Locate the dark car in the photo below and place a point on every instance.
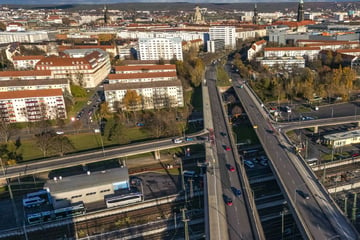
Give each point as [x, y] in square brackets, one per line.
[224, 134]
[303, 194]
[236, 191]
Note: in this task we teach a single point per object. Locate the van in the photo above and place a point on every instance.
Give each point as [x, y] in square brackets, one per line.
[32, 202]
[177, 140]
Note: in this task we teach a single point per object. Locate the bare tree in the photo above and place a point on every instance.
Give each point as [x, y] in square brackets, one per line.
[44, 141]
[62, 145]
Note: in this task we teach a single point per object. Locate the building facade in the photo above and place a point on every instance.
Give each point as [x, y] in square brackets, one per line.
[30, 37]
[307, 52]
[25, 62]
[32, 105]
[85, 67]
[160, 49]
[225, 33]
[19, 85]
[26, 75]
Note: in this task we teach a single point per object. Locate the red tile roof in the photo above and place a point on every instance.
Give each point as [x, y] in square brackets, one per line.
[145, 67]
[31, 93]
[260, 42]
[142, 75]
[25, 73]
[19, 58]
[348, 50]
[330, 43]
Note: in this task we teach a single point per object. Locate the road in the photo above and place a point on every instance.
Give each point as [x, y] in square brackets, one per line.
[317, 217]
[76, 159]
[239, 221]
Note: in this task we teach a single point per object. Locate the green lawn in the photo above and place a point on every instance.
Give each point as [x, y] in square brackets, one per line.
[245, 133]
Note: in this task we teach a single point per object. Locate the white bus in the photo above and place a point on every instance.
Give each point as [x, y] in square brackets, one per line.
[312, 161]
[123, 200]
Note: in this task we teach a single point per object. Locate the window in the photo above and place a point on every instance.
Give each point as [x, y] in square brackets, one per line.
[105, 190]
[76, 196]
[91, 193]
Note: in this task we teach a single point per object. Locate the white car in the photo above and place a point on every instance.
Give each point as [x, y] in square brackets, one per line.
[59, 132]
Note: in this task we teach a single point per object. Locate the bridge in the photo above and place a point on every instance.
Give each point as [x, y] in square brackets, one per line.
[317, 217]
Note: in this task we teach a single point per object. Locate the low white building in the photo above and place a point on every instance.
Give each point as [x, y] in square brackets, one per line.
[286, 63]
[342, 139]
[255, 48]
[142, 77]
[26, 75]
[308, 52]
[145, 69]
[32, 105]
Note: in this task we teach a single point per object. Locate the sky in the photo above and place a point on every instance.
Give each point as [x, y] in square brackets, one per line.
[60, 2]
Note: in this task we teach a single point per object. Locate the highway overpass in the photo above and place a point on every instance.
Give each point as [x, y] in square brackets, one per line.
[317, 217]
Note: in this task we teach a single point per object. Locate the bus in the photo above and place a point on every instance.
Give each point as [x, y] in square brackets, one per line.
[123, 200]
[312, 161]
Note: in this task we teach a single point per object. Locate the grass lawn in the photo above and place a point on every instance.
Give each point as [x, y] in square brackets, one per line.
[245, 133]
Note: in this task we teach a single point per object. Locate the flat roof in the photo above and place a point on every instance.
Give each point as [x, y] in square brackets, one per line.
[343, 135]
[85, 180]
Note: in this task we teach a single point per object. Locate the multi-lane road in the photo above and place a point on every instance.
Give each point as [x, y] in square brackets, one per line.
[318, 217]
[240, 221]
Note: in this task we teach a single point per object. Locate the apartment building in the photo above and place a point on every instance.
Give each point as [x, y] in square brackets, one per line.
[30, 37]
[307, 52]
[160, 48]
[286, 63]
[19, 85]
[157, 85]
[26, 75]
[225, 33]
[32, 105]
[145, 69]
[85, 67]
[25, 62]
[154, 95]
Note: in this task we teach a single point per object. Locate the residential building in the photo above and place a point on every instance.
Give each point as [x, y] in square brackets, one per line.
[142, 77]
[145, 69]
[19, 85]
[255, 48]
[26, 75]
[225, 33]
[160, 49]
[341, 139]
[154, 95]
[32, 105]
[15, 27]
[215, 45]
[85, 67]
[308, 52]
[25, 62]
[31, 37]
[286, 63]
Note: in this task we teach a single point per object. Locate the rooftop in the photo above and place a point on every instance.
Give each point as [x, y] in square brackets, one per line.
[31, 93]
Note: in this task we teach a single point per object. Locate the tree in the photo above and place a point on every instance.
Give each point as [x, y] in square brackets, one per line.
[77, 125]
[44, 142]
[132, 100]
[197, 72]
[104, 110]
[6, 130]
[236, 111]
[155, 124]
[62, 145]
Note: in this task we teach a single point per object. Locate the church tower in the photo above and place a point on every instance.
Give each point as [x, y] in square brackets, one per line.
[106, 18]
[300, 15]
[255, 17]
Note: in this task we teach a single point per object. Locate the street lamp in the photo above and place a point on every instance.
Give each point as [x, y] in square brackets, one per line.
[282, 213]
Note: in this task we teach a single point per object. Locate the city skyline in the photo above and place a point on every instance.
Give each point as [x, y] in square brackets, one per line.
[87, 2]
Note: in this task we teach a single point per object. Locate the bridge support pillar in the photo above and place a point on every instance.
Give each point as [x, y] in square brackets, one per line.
[157, 154]
[316, 129]
[358, 124]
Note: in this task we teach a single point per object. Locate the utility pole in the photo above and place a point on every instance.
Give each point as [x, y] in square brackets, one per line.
[185, 220]
[353, 218]
[191, 188]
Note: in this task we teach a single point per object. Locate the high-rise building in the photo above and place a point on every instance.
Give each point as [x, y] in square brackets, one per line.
[255, 17]
[160, 49]
[300, 15]
[225, 34]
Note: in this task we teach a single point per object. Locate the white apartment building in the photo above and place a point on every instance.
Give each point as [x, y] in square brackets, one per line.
[85, 67]
[145, 68]
[25, 62]
[184, 35]
[32, 105]
[142, 77]
[15, 27]
[19, 85]
[160, 48]
[26, 75]
[308, 52]
[30, 37]
[225, 33]
[286, 63]
[154, 95]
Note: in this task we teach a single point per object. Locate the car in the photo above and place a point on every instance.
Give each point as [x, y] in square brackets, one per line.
[188, 139]
[355, 154]
[303, 194]
[177, 140]
[255, 126]
[227, 148]
[236, 191]
[223, 134]
[228, 201]
[231, 168]
[263, 163]
[249, 164]
[59, 132]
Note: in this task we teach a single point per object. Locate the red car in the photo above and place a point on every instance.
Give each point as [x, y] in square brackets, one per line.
[231, 168]
[228, 201]
[227, 148]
